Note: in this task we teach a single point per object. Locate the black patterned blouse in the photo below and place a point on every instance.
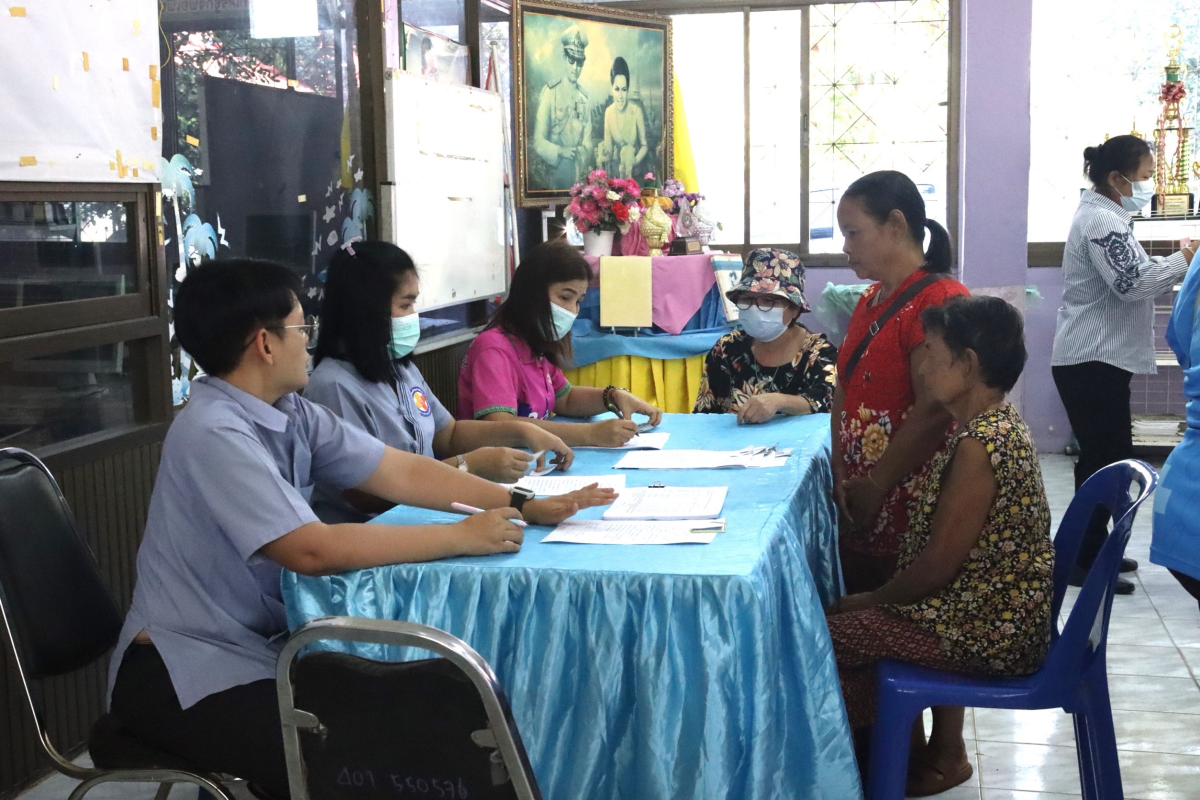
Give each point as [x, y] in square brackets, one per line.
[732, 374]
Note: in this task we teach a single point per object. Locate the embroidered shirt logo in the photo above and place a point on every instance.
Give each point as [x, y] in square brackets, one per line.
[1123, 257]
[421, 402]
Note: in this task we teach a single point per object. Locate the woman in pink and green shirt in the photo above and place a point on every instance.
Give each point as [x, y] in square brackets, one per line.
[514, 368]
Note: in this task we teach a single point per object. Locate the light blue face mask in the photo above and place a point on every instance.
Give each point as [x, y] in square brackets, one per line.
[406, 331]
[563, 320]
[1143, 192]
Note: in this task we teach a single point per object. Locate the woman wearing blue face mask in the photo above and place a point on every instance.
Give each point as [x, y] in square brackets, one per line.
[773, 365]
[365, 373]
[514, 368]
[1105, 331]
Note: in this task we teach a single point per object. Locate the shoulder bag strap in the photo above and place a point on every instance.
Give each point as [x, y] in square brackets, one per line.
[898, 302]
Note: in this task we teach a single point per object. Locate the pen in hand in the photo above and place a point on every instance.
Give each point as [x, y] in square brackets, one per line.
[466, 509]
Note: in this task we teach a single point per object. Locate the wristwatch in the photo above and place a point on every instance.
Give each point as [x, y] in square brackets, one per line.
[518, 497]
[461, 463]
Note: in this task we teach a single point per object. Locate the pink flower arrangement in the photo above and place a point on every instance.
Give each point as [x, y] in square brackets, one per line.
[604, 204]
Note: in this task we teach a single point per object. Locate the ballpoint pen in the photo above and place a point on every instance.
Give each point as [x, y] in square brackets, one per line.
[466, 509]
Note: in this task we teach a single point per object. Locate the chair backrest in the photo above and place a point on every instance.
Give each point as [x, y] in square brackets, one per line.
[358, 729]
[1121, 488]
[56, 608]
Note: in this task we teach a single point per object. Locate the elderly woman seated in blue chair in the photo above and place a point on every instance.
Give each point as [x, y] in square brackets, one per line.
[974, 586]
[773, 364]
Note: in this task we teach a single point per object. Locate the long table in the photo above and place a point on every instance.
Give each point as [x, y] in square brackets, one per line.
[683, 671]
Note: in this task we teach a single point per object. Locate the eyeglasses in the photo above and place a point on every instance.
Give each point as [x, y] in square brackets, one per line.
[760, 301]
[310, 328]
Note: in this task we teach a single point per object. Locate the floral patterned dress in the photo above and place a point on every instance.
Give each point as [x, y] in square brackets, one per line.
[878, 397]
[732, 374]
[995, 616]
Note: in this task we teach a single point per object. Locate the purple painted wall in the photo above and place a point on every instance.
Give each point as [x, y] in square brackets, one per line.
[994, 141]
[1043, 411]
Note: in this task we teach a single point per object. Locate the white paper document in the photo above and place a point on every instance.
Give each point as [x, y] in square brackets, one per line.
[549, 485]
[642, 441]
[668, 503]
[604, 532]
[704, 459]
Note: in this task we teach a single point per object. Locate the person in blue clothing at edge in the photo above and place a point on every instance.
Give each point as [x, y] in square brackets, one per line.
[193, 673]
[1176, 541]
[365, 374]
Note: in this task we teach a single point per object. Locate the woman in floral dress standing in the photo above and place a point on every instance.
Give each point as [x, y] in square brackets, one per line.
[886, 426]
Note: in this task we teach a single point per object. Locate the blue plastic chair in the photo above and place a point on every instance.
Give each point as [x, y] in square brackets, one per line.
[1073, 676]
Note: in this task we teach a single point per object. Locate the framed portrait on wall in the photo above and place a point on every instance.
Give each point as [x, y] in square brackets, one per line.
[592, 90]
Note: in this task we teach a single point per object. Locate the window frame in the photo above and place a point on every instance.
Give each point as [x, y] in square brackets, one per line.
[953, 98]
[140, 317]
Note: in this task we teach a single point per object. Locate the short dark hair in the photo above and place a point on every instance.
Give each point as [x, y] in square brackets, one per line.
[887, 190]
[1122, 154]
[356, 312]
[220, 304]
[987, 325]
[525, 313]
[620, 67]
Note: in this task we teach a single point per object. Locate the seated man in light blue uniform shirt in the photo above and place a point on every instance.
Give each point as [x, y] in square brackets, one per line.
[193, 672]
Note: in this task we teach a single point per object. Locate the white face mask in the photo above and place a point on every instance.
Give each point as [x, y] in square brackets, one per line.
[1143, 191]
[563, 320]
[765, 326]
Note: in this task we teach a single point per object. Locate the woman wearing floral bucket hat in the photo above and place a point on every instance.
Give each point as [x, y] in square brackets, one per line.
[773, 364]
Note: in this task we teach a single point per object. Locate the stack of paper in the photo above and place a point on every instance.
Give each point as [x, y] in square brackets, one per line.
[549, 486]
[603, 532]
[704, 459]
[642, 441]
[670, 503]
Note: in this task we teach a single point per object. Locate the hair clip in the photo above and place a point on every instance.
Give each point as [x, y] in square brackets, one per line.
[349, 245]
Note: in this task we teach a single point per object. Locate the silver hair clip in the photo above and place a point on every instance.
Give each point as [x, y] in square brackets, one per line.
[349, 245]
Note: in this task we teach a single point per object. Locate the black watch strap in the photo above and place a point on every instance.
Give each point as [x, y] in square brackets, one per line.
[518, 497]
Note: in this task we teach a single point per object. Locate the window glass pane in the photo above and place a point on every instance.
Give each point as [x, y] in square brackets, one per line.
[879, 75]
[709, 65]
[53, 252]
[1097, 69]
[775, 127]
[444, 17]
[50, 399]
[264, 142]
[494, 27]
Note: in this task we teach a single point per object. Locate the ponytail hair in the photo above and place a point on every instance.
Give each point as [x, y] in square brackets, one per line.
[1121, 154]
[886, 191]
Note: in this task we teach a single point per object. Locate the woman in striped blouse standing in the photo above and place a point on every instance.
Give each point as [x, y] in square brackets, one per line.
[1105, 332]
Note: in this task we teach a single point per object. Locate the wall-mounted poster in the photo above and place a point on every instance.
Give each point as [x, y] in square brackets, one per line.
[436, 57]
[593, 91]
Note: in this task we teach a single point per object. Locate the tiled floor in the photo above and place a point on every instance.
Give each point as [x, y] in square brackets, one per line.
[1153, 666]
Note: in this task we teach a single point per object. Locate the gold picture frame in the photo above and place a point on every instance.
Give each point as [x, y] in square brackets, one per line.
[574, 115]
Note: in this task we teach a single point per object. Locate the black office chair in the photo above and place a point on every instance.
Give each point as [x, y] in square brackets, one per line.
[435, 728]
[59, 617]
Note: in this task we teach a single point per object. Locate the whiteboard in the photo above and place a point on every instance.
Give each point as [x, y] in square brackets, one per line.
[446, 208]
[79, 91]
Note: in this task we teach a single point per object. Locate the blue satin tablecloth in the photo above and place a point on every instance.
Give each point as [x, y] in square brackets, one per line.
[652, 672]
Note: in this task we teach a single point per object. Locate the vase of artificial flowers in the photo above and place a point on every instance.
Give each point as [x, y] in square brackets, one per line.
[600, 206]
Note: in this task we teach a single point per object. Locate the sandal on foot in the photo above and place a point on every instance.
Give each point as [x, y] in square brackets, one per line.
[929, 779]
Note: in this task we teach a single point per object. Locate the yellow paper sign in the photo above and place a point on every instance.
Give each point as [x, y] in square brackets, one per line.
[292, 84]
[135, 172]
[625, 299]
[17, 11]
[302, 198]
[154, 72]
[147, 165]
[137, 27]
[154, 133]
[54, 80]
[28, 161]
[192, 140]
[125, 64]
[112, 165]
[86, 65]
[155, 93]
